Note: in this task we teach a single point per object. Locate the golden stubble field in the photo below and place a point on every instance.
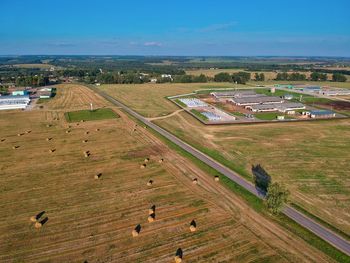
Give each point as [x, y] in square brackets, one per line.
[92, 219]
[310, 158]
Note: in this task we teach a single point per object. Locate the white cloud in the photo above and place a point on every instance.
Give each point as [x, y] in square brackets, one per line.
[152, 44]
[217, 27]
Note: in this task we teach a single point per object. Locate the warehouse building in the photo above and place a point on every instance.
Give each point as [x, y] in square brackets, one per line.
[322, 114]
[14, 102]
[245, 101]
[336, 92]
[234, 94]
[281, 107]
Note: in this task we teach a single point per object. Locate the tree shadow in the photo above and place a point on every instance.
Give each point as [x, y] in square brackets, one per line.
[261, 179]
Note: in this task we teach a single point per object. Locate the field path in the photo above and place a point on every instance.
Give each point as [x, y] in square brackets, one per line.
[166, 116]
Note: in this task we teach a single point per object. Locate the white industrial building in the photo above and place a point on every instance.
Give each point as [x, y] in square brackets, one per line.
[245, 101]
[14, 102]
[281, 107]
[335, 92]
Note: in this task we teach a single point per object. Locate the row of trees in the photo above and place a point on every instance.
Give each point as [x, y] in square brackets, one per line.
[35, 81]
[239, 77]
[315, 76]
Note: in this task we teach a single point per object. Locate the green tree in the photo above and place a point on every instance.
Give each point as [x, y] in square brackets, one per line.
[200, 79]
[240, 77]
[316, 76]
[337, 77]
[277, 195]
[282, 76]
[222, 77]
[262, 77]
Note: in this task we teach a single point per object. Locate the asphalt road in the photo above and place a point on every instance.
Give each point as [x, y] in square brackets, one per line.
[321, 231]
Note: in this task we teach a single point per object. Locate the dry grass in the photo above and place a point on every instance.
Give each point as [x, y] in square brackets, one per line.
[310, 158]
[153, 102]
[93, 221]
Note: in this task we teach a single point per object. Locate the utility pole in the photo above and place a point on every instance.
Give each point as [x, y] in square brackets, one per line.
[91, 108]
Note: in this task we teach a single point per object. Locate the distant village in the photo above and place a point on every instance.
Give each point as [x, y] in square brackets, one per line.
[21, 98]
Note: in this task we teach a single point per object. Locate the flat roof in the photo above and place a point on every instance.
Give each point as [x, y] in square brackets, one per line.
[321, 112]
[14, 97]
[233, 93]
[262, 99]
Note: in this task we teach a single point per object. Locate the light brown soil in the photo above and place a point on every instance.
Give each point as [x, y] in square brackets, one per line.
[93, 219]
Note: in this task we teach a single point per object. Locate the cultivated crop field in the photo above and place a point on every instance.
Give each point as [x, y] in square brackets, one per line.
[310, 158]
[92, 219]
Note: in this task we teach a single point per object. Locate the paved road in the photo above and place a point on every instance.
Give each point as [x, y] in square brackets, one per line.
[292, 213]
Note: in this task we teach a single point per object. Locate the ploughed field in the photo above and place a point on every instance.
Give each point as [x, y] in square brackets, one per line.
[93, 201]
[310, 158]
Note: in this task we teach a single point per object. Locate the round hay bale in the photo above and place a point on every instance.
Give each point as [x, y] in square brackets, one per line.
[48, 125]
[217, 179]
[134, 130]
[97, 129]
[82, 121]
[151, 217]
[161, 160]
[52, 150]
[19, 134]
[97, 176]
[77, 124]
[87, 132]
[15, 147]
[143, 166]
[178, 255]
[146, 160]
[178, 259]
[68, 131]
[149, 183]
[134, 233]
[192, 228]
[195, 181]
[38, 225]
[33, 219]
[84, 141]
[29, 131]
[48, 139]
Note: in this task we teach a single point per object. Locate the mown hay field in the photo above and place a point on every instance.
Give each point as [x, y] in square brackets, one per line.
[310, 158]
[149, 99]
[91, 218]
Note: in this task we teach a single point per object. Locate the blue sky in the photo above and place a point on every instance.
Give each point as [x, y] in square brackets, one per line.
[192, 27]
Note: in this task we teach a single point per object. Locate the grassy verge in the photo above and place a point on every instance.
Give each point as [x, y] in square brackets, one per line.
[183, 105]
[321, 221]
[199, 115]
[87, 115]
